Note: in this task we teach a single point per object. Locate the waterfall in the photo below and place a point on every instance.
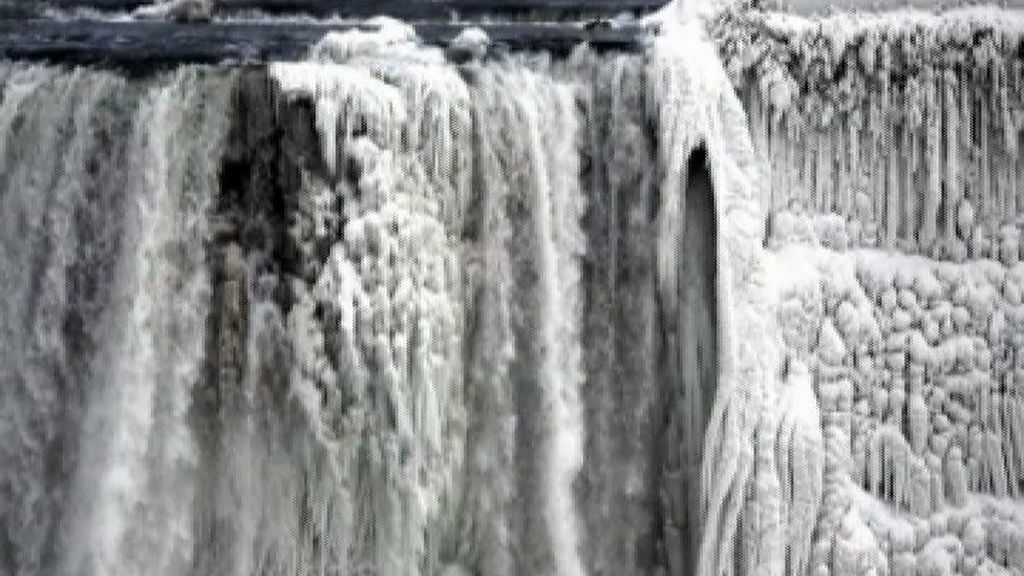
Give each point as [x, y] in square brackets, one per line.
[367, 313]
[745, 301]
[104, 209]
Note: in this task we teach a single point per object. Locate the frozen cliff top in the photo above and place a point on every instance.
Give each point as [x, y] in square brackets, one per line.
[431, 10]
[812, 7]
[756, 38]
[847, 25]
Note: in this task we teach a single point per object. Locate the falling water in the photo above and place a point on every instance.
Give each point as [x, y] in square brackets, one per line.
[106, 183]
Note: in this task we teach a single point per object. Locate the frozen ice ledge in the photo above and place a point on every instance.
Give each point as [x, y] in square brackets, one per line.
[147, 44]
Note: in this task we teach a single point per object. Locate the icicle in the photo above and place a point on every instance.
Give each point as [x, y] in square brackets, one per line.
[801, 460]
[1008, 141]
[953, 185]
[763, 536]
[957, 480]
[822, 181]
[856, 181]
[987, 203]
[810, 157]
[875, 188]
[1016, 434]
[1018, 173]
[909, 191]
[778, 161]
[829, 172]
[842, 152]
[933, 143]
[789, 181]
[892, 191]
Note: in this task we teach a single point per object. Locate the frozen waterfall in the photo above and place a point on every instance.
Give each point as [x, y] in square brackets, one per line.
[371, 313]
[745, 301]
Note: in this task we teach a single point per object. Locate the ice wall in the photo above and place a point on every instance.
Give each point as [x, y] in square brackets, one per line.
[889, 145]
[906, 125]
[914, 367]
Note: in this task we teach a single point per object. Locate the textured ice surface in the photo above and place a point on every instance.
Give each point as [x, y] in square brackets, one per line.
[908, 126]
[917, 383]
[889, 145]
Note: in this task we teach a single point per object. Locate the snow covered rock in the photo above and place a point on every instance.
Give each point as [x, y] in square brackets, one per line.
[472, 42]
[177, 11]
[373, 37]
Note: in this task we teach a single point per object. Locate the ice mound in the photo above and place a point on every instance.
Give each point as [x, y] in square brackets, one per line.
[376, 36]
[177, 11]
[472, 42]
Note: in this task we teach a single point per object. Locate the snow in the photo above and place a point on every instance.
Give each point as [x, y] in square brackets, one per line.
[177, 10]
[378, 36]
[473, 41]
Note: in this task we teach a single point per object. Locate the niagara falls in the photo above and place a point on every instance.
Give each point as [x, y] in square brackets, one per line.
[511, 288]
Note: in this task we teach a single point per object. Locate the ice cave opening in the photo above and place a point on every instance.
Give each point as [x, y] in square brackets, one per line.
[699, 334]
[692, 342]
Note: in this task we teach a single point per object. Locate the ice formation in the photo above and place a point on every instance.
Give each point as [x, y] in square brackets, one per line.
[748, 302]
[473, 41]
[914, 122]
[176, 10]
[889, 145]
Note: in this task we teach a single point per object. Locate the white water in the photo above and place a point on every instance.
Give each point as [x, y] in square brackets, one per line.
[104, 223]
